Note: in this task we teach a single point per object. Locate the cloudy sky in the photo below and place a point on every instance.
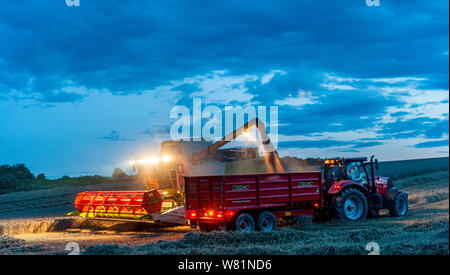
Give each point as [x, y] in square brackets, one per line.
[85, 89]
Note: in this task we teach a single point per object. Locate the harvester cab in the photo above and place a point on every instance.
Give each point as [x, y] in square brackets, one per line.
[352, 191]
[164, 172]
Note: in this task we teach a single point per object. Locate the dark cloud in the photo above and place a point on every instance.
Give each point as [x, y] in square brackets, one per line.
[366, 144]
[428, 127]
[115, 136]
[60, 97]
[324, 143]
[431, 144]
[349, 151]
[337, 111]
[157, 130]
[186, 88]
[127, 46]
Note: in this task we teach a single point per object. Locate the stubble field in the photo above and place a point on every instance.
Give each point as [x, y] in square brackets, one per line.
[425, 230]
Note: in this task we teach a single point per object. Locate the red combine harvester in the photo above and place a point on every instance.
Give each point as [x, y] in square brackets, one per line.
[349, 190]
[163, 176]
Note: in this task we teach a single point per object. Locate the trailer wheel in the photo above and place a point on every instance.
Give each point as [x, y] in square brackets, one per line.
[267, 222]
[351, 205]
[400, 206]
[245, 223]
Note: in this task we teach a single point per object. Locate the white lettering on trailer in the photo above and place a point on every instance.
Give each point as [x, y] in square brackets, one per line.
[241, 201]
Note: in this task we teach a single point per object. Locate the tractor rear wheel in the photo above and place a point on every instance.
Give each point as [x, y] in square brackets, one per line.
[245, 223]
[267, 222]
[350, 204]
[400, 206]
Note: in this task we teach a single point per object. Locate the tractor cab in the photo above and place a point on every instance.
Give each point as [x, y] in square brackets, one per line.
[355, 169]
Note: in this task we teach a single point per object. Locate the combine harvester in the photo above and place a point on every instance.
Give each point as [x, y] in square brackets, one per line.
[164, 177]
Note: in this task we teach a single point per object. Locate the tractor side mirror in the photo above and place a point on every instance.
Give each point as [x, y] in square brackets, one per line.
[376, 164]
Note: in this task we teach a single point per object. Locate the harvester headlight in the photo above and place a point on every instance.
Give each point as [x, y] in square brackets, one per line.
[166, 158]
[152, 160]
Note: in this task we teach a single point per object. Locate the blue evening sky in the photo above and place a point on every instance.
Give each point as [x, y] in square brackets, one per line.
[85, 89]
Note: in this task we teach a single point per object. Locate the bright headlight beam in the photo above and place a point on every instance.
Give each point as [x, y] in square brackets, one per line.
[166, 158]
[152, 160]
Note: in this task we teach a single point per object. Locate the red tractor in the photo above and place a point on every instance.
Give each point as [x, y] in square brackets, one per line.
[352, 191]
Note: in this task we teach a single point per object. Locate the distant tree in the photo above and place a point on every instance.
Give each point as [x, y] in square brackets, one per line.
[13, 176]
[7, 181]
[118, 174]
[22, 172]
[40, 177]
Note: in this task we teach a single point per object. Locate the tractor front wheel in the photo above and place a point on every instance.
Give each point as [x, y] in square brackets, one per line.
[350, 204]
[400, 205]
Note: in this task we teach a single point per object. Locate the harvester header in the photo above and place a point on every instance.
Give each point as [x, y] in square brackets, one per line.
[118, 204]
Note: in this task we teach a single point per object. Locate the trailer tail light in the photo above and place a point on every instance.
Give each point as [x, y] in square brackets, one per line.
[219, 215]
[337, 187]
[214, 214]
[229, 215]
[191, 214]
[316, 205]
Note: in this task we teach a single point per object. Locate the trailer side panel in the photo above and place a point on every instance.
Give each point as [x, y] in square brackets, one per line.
[208, 195]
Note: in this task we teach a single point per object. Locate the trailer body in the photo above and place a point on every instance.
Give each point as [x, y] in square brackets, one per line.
[219, 200]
